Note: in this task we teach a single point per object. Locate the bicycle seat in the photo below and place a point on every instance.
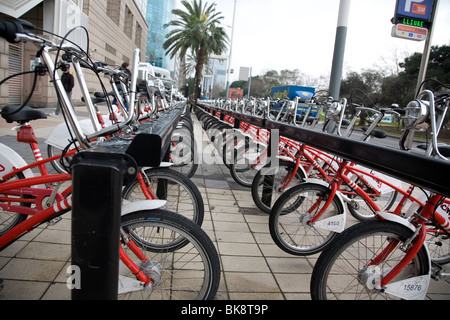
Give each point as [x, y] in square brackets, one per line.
[17, 114]
[380, 134]
[309, 120]
[103, 95]
[95, 100]
[443, 149]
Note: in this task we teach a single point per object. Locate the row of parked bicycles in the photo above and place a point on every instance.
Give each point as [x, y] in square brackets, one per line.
[401, 239]
[164, 253]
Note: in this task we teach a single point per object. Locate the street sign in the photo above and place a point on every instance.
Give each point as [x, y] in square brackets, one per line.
[409, 32]
[413, 19]
[244, 74]
[416, 9]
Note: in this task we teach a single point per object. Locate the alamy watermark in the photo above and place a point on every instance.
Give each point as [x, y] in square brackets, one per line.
[74, 279]
[229, 146]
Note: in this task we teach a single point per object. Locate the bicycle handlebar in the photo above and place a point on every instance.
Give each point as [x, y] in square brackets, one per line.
[9, 30]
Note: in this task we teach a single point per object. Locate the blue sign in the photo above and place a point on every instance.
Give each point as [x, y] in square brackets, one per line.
[291, 92]
[418, 9]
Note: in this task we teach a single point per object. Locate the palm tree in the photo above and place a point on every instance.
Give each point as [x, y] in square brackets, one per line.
[198, 30]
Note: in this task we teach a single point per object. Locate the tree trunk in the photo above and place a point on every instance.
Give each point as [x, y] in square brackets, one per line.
[201, 56]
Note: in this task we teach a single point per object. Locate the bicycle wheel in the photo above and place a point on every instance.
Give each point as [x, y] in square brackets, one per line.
[266, 186]
[8, 219]
[57, 165]
[289, 221]
[247, 163]
[361, 210]
[345, 269]
[188, 270]
[181, 194]
[183, 155]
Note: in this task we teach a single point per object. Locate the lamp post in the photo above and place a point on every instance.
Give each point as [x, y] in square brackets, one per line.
[339, 49]
[231, 51]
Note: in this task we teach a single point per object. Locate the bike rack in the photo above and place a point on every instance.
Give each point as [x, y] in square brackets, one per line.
[429, 173]
[98, 175]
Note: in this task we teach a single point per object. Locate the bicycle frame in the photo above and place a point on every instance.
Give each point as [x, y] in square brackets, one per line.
[39, 215]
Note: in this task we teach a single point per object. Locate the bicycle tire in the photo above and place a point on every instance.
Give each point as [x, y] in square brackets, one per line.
[338, 274]
[184, 156]
[56, 164]
[289, 219]
[188, 271]
[9, 220]
[361, 210]
[181, 194]
[243, 170]
[265, 191]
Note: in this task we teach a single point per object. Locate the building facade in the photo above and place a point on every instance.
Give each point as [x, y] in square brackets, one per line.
[159, 13]
[115, 28]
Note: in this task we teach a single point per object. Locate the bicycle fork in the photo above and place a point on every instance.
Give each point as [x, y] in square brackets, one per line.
[335, 223]
[148, 274]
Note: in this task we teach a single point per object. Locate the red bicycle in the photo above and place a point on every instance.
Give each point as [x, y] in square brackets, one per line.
[164, 255]
[392, 257]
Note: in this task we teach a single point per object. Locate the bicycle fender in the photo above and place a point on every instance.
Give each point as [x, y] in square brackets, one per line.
[378, 184]
[59, 137]
[415, 288]
[161, 165]
[285, 158]
[11, 160]
[165, 164]
[397, 219]
[129, 207]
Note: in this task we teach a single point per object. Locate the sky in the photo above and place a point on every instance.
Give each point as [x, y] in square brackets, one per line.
[300, 34]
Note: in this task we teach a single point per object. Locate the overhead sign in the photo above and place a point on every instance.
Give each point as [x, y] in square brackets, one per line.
[416, 9]
[409, 32]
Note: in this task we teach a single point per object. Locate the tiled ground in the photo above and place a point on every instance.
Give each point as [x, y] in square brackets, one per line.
[253, 267]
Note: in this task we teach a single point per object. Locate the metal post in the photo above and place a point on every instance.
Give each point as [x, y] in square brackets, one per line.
[427, 48]
[97, 185]
[339, 49]
[249, 83]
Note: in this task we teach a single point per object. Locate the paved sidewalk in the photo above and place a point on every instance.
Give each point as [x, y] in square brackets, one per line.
[253, 267]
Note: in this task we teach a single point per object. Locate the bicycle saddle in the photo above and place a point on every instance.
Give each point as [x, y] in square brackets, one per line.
[95, 100]
[443, 149]
[380, 134]
[21, 115]
[309, 120]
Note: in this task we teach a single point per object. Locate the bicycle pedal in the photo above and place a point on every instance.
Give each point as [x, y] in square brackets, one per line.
[54, 221]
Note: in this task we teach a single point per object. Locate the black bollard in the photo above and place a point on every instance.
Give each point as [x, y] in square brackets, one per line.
[97, 185]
